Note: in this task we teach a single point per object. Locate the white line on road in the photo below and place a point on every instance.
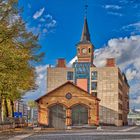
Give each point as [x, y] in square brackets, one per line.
[128, 129]
[20, 137]
[92, 134]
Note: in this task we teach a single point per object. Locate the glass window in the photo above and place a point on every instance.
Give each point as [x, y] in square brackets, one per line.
[69, 75]
[93, 85]
[120, 86]
[89, 50]
[94, 75]
[120, 106]
[120, 116]
[120, 96]
[94, 94]
[79, 115]
[78, 50]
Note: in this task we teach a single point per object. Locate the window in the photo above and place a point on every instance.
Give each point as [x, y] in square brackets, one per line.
[120, 106]
[69, 75]
[120, 96]
[120, 86]
[78, 51]
[79, 115]
[93, 85]
[89, 50]
[120, 116]
[94, 94]
[127, 105]
[94, 75]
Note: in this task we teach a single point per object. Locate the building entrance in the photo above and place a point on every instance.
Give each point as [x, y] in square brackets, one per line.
[79, 115]
[57, 117]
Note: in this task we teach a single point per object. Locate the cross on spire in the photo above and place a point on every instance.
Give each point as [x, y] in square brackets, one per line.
[85, 37]
[86, 7]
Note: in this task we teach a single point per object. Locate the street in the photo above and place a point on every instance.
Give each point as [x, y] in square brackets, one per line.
[121, 133]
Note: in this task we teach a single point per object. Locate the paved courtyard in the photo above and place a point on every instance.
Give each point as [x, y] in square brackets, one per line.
[107, 133]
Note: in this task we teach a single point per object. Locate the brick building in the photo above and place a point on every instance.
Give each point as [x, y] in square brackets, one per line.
[105, 83]
[68, 105]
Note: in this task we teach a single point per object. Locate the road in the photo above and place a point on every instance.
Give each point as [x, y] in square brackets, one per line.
[129, 133]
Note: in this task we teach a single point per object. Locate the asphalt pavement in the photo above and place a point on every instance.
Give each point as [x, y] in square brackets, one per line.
[106, 133]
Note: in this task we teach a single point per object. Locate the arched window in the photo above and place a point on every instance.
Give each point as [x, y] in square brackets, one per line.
[89, 50]
[79, 115]
[78, 50]
[57, 115]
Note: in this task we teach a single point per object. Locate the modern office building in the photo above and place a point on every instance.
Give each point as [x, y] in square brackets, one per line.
[134, 117]
[106, 83]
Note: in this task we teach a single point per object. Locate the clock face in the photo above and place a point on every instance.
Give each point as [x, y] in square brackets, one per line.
[84, 51]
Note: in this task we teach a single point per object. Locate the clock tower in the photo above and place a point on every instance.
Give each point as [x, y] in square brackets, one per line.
[84, 47]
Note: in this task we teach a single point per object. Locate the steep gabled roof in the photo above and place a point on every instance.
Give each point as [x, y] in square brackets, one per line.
[68, 82]
[85, 37]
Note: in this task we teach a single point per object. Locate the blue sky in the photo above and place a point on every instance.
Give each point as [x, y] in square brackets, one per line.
[114, 27]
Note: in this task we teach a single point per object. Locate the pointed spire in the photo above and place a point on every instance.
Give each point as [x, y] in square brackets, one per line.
[85, 33]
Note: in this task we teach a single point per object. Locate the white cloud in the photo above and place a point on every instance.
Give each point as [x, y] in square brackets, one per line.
[51, 24]
[114, 7]
[135, 103]
[42, 20]
[41, 72]
[48, 16]
[35, 30]
[45, 30]
[113, 10]
[126, 51]
[115, 14]
[72, 61]
[130, 74]
[46, 21]
[41, 68]
[133, 27]
[38, 13]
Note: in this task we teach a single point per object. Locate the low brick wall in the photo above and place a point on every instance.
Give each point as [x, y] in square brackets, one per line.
[6, 126]
[11, 126]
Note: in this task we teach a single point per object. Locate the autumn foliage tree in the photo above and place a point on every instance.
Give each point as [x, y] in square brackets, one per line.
[18, 53]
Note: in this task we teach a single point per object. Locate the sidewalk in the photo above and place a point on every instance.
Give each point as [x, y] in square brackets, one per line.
[52, 130]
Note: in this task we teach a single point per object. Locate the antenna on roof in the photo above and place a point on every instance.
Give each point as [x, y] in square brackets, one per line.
[85, 7]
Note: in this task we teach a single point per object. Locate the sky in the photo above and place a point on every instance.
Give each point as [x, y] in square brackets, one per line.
[114, 27]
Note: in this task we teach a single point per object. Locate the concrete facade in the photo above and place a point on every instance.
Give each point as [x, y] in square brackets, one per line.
[112, 90]
[57, 76]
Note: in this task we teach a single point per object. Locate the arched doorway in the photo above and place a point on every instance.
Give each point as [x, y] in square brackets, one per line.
[79, 115]
[57, 116]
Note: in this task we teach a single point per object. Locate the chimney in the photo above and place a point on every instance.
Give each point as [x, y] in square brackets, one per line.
[110, 62]
[61, 63]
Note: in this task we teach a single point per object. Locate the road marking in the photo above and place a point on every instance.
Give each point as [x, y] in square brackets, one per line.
[92, 134]
[128, 129]
[20, 137]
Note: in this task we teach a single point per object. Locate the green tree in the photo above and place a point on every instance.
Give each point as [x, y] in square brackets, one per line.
[32, 104]
[18, 53]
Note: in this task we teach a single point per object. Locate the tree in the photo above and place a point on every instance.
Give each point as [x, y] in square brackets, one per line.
[18, 52]
[32, 104]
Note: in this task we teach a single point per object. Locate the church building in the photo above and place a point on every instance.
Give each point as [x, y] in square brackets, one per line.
[83, 94]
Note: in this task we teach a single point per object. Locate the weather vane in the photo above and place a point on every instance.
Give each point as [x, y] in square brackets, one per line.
[86, 7]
